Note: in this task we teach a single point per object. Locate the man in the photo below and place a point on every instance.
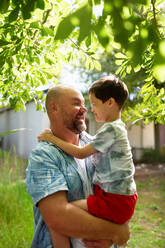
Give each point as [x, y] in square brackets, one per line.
[55, 179]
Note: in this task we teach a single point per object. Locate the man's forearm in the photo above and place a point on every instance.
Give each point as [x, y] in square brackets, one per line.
[72, 221]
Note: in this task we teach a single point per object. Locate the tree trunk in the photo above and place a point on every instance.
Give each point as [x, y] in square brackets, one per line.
[157, 136]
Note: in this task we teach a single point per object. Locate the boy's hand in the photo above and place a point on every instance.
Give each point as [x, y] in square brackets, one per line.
[97, 243]
[124, 235]
[45, 135]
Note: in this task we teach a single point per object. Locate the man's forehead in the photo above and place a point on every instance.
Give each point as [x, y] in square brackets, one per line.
[74, 95]
[78, 99]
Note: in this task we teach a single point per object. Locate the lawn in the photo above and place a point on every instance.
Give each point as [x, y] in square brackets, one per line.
[148, 222]
[16, 217]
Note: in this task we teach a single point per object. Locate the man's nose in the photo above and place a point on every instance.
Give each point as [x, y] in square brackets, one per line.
[83, 109]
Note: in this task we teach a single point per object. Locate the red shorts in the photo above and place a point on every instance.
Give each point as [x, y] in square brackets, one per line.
[113, 207]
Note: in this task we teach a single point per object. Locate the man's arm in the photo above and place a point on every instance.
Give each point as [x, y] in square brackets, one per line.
[67, 219]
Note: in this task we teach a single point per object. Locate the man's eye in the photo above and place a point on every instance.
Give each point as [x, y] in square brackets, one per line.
[76, 104]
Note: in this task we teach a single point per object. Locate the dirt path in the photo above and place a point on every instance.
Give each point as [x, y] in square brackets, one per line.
[143, 171]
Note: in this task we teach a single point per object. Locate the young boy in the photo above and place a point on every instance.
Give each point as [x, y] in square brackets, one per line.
[115, 194]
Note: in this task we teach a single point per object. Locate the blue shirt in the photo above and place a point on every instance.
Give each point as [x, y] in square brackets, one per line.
[51, 170]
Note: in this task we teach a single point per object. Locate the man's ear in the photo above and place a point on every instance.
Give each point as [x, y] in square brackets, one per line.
[53, 106]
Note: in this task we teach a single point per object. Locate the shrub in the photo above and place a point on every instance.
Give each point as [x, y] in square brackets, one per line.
[153, 156]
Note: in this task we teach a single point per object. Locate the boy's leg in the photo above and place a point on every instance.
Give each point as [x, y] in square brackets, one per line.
[59, 240]
[81, 204]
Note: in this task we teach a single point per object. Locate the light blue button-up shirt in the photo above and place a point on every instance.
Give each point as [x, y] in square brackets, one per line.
[51, 170]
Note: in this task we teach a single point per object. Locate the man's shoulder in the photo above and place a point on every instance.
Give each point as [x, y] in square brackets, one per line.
[42, 146]
[44, 150]
[85, 137]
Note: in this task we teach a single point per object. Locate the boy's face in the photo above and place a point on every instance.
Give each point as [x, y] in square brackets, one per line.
[100, 109]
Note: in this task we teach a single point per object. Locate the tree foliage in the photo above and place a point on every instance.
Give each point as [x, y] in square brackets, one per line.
[38, 36]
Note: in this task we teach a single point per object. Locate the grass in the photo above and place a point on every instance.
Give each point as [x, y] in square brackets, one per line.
[16, 222]
[148, 222]
[16, 216]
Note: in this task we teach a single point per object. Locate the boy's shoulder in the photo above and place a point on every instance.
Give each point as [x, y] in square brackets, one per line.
[117, 127]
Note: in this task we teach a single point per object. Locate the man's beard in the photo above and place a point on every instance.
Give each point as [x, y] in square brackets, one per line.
[78, 126]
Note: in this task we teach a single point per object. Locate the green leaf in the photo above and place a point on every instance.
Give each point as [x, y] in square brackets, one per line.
[40, 4]
[48, 60]
[13, 131]
[159, 72]
[119, 61]
[47, 31]
[97, 65]
[89, 64]
[4, 5]
[28, 8]
[97, 2]
[4, 42]
[37, 59]
[48, 40]
[34, 25]
[84, 16]
[14, 14]
[120, 56]
[43, 80]
[102, 32]
[64, 29]
[129, 69]
[88, 41]
[80, 18]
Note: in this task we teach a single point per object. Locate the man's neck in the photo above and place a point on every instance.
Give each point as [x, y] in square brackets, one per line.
[66, 134]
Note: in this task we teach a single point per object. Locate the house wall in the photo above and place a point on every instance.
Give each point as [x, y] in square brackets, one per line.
[24, 141]
[35, 121]
[141, 136]
[162, 136]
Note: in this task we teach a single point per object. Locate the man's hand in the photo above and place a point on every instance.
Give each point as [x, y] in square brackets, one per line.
[97, 243]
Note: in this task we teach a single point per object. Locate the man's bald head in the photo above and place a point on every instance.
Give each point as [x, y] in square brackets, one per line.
[55, 94]
[65, 106]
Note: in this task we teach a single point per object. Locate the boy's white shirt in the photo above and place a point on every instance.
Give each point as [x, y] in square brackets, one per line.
[77, 243]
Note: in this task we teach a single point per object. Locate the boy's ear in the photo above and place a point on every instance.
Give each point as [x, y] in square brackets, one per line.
[111, 101]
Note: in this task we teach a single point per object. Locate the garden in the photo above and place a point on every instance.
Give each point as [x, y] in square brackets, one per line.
[16, 213]
[94, 38]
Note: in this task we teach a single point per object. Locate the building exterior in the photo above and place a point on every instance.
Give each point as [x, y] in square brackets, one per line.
[35, 121]
[24, 141]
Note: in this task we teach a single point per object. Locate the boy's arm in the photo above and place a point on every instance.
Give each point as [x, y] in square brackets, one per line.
[73, 150]
[52, 236]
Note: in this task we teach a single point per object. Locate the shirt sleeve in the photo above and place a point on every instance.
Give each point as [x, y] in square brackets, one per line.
[104, 138]
[44, 175]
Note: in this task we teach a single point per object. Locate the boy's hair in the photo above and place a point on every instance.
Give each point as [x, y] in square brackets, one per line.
[110, 86]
